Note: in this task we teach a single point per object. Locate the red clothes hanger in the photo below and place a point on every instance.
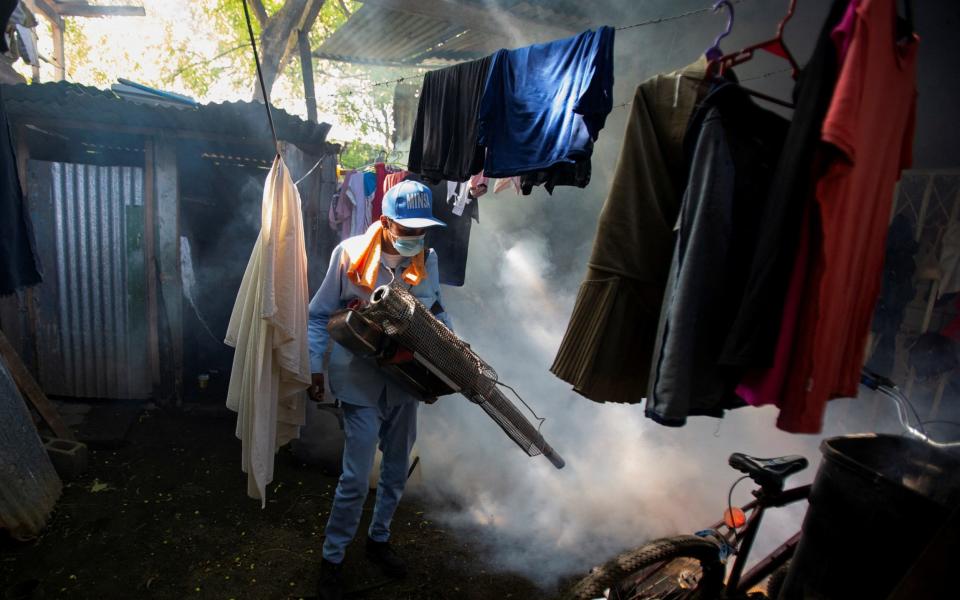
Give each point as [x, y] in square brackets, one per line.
[774, 46]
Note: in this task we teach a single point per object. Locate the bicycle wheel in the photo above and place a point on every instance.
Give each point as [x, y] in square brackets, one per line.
[681, 567]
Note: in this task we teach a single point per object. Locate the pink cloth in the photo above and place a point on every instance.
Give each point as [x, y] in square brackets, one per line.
[393, 179]
[478, 185]
[842, 34]
[765, 386]
[503, 184]
[340, 215]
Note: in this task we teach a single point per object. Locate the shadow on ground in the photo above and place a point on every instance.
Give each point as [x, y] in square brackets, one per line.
[165, 515]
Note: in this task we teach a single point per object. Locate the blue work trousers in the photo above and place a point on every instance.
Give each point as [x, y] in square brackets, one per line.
[395, 427]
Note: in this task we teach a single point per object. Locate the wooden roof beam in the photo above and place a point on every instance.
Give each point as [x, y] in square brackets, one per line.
[46, 8]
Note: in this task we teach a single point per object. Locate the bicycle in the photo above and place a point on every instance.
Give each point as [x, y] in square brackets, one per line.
[695, 566]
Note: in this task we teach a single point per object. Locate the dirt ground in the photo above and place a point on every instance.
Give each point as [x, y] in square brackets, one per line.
[165, 515]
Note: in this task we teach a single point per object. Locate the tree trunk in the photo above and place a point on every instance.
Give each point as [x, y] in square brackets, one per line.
[279, 37]
[259, 11]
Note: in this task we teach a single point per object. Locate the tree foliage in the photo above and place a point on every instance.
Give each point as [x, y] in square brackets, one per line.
[357, 154]
[205, 52]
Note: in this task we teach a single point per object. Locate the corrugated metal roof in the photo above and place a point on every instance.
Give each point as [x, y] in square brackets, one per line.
[380, 35]
[74, 102]
[376, 34]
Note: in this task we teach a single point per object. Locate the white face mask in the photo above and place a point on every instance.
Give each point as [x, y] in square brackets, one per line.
[408, 245]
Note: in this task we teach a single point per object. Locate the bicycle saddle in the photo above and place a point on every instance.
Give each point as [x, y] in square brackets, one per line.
[768, 472]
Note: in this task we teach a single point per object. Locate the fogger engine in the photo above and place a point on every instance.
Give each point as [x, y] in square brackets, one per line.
[412, 345]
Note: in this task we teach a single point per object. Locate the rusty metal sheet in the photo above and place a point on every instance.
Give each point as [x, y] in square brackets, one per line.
[29, 486]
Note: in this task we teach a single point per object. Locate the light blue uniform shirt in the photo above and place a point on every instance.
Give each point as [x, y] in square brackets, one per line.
[353, 379]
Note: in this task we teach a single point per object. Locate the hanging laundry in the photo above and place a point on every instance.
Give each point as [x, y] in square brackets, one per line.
[458, 196]
[504, 183]
[734, 145]
[380, 170]
[455, 206]
[870, 127]
[444, 143]
[478, 185]
[543, 107]
[607, 349]
[766, 327]
[19, 261]
[361, 194]
[268, 328]
[765, 386]
[393, 179]
[754, 335]
[575, 174]
[369, 183]
[843, 32]
[341, 209]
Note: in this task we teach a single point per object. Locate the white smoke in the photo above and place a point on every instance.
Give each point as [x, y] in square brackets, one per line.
[189, 282]
[627, 479]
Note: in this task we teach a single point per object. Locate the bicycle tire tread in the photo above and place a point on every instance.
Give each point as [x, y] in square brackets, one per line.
[603, 577]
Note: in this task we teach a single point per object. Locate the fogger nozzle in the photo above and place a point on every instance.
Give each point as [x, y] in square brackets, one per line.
[410, 324]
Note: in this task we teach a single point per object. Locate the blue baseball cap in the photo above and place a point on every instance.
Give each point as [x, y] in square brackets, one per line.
[409, 204]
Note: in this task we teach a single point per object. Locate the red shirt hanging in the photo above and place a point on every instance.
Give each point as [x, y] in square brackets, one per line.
[870, 127]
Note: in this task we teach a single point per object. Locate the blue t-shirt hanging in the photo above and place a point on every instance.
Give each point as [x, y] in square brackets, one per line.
[546, 104]
[369, 182]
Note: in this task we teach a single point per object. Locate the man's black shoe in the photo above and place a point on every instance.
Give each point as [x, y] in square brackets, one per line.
[382, 554]
[331, 581]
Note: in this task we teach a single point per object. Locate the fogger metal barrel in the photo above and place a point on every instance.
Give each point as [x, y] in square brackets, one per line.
[404, 319]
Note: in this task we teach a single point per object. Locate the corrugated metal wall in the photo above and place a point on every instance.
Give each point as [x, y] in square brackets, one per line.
[91, 313]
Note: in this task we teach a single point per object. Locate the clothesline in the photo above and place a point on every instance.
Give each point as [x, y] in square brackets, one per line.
[659, 20]
[656, 21]
[622, 105]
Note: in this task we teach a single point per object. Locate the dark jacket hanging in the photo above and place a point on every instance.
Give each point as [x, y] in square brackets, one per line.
[19, 263]
[754, 333]
[444, 143]
[607, 348]
[733, 147]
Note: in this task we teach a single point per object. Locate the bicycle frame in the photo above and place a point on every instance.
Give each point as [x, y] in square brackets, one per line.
[738, 582]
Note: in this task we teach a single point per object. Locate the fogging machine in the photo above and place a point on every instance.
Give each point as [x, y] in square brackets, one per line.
[408, 342]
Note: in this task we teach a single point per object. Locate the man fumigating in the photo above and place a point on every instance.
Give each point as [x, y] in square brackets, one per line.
[376, 410]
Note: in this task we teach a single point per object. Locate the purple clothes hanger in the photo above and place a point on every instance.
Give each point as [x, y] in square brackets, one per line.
[714, 52]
